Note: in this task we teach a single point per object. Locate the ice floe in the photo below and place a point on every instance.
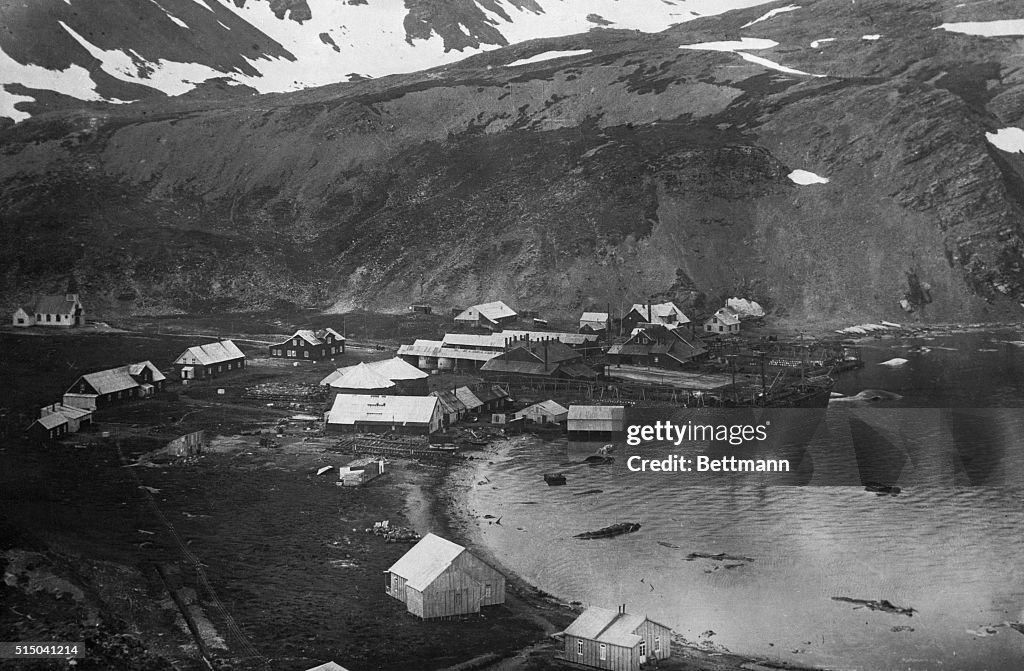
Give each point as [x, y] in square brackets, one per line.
[1008, 139]
[770, 14]
[805, 178]
[894, 362]
[817, 43]
[547, 56]
[871, 38]
[999, 28]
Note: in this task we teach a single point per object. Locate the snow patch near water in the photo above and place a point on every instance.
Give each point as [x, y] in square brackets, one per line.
[806, 177]
[548, 56]
[817, 43]
[1000, 28]
[1008, 139]
[734, 46]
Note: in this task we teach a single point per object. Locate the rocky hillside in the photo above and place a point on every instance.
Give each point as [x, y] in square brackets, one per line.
[625, 169]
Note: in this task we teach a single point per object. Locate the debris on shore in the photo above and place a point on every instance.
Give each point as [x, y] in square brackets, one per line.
[393, 534]
[721, 556]
[883, 605]
[610, 531]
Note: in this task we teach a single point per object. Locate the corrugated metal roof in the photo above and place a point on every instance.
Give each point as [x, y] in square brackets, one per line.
[616, 412]
[211, 353]
[425, 561]
[520, 367]
[594, 317]
[468, 398]
[381, 409]
[727, 316]
[361, 376]
[434, 348]
[607, 626]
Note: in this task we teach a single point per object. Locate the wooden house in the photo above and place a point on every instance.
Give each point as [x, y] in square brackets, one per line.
[452, 409]
[438, 578]
[540, 359]
[434, 355]
[105, 387]
[596, 421]
[615, 640]
[725, 321]
[662, 314]
[545, 412]
[310, 345]
[492, 397]
[595, 322]
[658, 347]
[201, 362]
[63, 310]
[487, 315]
[469, 400]
[382, 414]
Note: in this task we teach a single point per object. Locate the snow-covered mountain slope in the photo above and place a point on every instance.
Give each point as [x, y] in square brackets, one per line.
[60, 52]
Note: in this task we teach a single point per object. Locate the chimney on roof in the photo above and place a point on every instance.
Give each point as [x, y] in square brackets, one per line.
[649, 317]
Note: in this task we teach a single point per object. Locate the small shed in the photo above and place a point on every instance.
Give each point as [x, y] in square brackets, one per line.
[438, 578]
[468, 399]
[594, 322]
[545, 412]
[76, 417]
[596, 421]
[48, 427]
[616, 640]
[452, 409]
[361, 471]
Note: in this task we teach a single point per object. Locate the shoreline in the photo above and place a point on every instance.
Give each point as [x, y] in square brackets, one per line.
[449, 510]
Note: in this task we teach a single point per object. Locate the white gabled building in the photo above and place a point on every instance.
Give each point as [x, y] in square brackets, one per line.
[380, 413]
[487, 315]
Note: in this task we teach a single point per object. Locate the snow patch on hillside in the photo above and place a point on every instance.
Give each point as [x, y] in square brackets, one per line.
[74, 81]
[817, 43]
[773, 65]
[1000, 28]
[806, 177]
[733, 45]
[1008, 139]
[548, 56]
[770, 14]
[171, 77]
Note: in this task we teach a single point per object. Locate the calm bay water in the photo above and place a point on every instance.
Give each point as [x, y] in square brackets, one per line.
[950, 545]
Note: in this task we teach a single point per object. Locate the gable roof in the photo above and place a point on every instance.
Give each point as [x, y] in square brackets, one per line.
[328, 666]
[494, 311]
[352, 408]
[390, 369]
[108, 381]
[607, 626]
[660, 312]
[435, 348]
[448, 401]
[55, 305]
[360, 376]
[321, 334]
[136, 369]
[468, 398]
[551, 350]
[425, 561]
[213, 352]
[548, 407]
[726, 316]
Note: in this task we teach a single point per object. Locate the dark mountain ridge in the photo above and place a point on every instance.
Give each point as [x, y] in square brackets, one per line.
[637, 170]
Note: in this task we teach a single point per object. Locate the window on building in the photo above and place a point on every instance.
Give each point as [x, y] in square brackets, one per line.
[487, 591]
[295, 342]
[719, 329]
[48, 317]
[458, 599]
[305, 353]
[657, 644]
[579, 648]
[603, 652]
[643, 648]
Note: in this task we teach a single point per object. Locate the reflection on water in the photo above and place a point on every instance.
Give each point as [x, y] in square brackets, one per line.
[949, 545]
